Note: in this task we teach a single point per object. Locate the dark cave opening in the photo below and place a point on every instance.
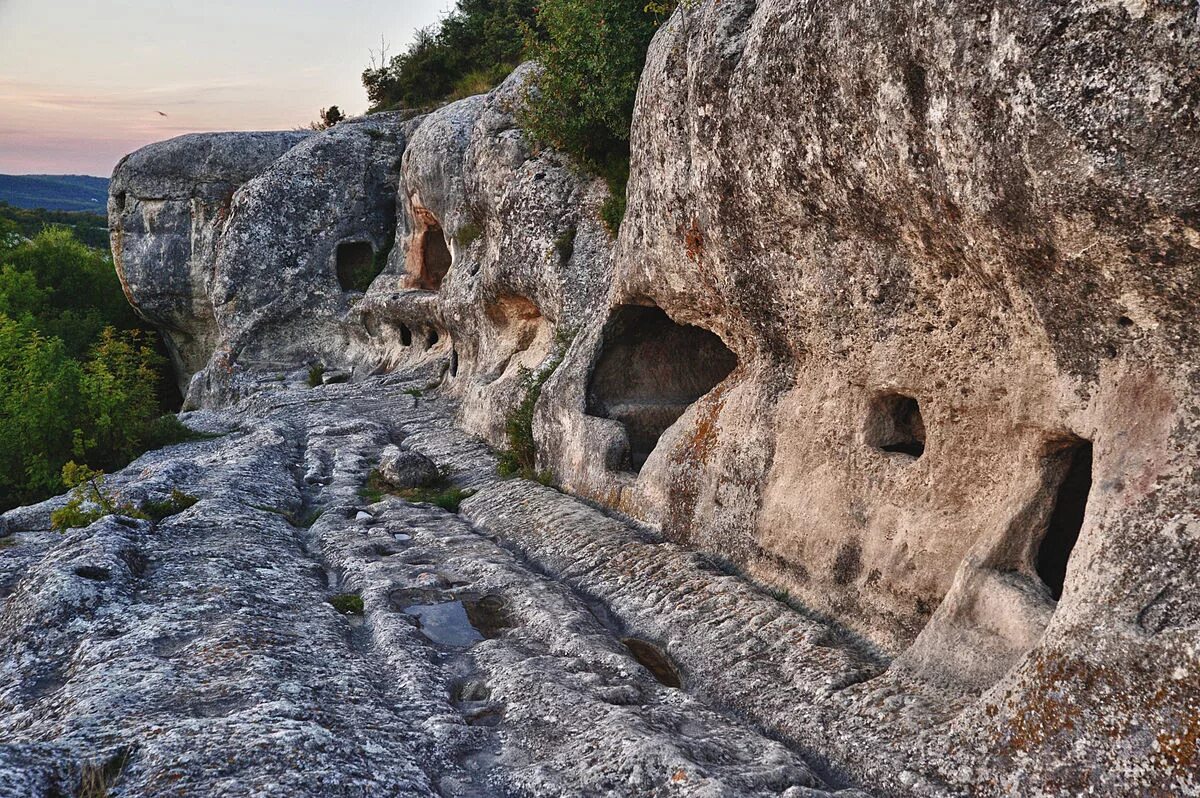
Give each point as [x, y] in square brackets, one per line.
[435, 258]
[355, 265]
[649, 372]
[405, 335]
[895, 424]
[1066, 520]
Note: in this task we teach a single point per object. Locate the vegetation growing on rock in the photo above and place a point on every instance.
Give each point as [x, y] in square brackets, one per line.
[473, 48]
[592, 53]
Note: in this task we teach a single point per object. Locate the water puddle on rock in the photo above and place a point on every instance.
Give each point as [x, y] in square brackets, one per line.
[455, 621]
[654, 660]
[446, 623]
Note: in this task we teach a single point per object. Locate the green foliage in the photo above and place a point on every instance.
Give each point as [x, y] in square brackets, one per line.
[612, 212]
[446, 497]
[443, 494]
[80, 381]
[592, 53]
[175, 504]
[468, 234]
[63, 289]
[329, 117]
[17, 224]
[167, 430]
[416, 393]
[89, 501]
[473, 48]
[374, 488]
[40, 409]
[520, 458]
[316, 375]
[120, 398]
[347, 603]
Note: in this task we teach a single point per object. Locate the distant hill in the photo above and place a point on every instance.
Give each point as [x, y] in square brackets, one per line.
[55, 192]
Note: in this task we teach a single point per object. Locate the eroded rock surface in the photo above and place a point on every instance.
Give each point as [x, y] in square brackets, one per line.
[201, 655]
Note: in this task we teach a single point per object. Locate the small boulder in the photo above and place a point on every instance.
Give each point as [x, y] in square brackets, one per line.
[404, 468]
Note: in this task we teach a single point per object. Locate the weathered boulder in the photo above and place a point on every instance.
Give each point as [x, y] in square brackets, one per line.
[168, 204]
[499, 255]
[406, 468]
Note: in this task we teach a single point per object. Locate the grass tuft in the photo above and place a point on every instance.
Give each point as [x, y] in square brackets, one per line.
[347, 603]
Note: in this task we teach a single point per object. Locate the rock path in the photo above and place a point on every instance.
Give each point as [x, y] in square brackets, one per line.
[530, 645]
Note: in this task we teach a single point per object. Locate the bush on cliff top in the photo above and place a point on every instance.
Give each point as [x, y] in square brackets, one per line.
[471, 50]
[593, 52]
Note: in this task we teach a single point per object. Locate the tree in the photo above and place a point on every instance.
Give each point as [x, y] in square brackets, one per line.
[120, 398]
[40, 409]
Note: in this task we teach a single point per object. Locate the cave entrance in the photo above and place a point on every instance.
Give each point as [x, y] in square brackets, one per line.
[895, 424]
[1066, 520]
[355, 265]
[649, 372]
[435, 258]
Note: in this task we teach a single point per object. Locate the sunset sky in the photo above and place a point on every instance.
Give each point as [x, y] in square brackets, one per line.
[83, 82]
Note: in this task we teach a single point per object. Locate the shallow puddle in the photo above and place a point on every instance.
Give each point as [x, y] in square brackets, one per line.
[654, 660]
[453, 618]
[488, 614]
[446, 623]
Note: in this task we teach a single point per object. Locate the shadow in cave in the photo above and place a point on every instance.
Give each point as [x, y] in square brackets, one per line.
[649, 372]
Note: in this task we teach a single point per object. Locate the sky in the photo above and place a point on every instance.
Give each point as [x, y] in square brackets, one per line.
[83, 82]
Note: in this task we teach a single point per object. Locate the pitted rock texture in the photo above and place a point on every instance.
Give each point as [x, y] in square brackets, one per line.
[959, 272]
[201, 655]
[168, 204]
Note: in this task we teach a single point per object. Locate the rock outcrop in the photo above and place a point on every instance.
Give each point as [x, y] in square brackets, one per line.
[907, 337]
[168, 205]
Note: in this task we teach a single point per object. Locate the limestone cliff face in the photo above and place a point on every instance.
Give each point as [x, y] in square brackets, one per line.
[954, 250]
[902, 321]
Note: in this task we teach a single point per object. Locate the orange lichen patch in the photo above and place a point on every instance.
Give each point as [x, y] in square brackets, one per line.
[1177, 750]
[1056, 707]
[703, 438]
[679, 775]
[693, 240]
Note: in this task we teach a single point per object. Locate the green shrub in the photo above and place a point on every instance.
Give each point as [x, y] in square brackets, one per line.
[592, 53]
[80, 381]
[446, 497]
[443, 494]
[471, 50]
[120, 396]
[468, 234]
[175, 504]
[167, 430]
[347, 603]
[316, 376]
[88, 501]
[519, 459]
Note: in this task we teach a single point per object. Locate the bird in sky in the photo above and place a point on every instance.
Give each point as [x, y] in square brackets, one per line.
[160, 113]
